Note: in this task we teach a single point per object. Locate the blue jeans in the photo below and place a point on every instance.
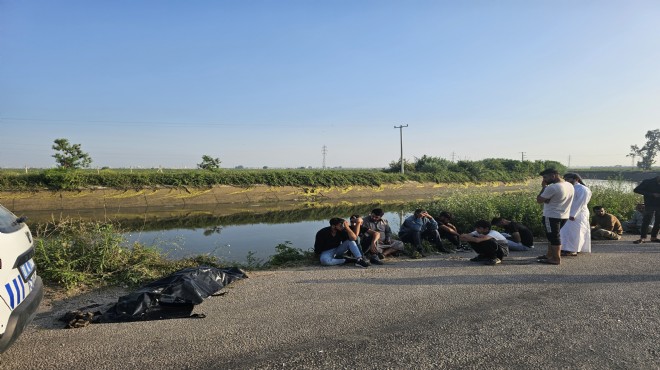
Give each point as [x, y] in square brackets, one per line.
[328, 257]
[515, 246]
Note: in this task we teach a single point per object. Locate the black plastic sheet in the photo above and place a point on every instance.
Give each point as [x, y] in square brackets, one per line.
[173, 296]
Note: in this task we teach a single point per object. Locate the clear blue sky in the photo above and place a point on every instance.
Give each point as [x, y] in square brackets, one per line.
[269, 83]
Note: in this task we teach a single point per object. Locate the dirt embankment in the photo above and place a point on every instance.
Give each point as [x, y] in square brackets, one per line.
[183, 197]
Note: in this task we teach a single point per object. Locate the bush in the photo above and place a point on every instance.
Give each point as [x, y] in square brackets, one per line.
[286, 255]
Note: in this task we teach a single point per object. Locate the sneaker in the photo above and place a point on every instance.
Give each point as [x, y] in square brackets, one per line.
[361, 263]
[380, 255]
[349, 260]
[479, 259]
[493, 262]
[375, 260]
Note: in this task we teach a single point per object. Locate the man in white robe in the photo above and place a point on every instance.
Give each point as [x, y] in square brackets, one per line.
[576, 233]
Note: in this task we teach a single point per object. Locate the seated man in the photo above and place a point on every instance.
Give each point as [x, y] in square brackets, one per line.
[447, 230]
[519, 236]
[605, 226]
[333, 241]
[421, 225]
[378, 237]
[491, 246]
[634, 225]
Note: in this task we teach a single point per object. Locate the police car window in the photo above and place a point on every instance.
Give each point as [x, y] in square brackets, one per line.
[7, 221]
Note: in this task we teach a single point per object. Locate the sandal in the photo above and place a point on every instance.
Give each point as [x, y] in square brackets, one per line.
[639, 241]
[548, 262]
[543, 257]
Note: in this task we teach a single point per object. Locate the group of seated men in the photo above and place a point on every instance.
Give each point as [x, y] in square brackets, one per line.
[369, 239]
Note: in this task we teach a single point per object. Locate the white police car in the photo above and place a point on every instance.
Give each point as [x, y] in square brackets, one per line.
[21, 290]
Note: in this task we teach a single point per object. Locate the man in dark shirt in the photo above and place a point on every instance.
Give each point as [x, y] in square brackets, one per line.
[333, 241]
[519, 236]
[650, 189]
[447, 230]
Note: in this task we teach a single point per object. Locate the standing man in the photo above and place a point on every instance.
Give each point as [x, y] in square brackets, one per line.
[650, 189]
[556, 196]
[634, 225]
[334, 240]
[378, 237]
[605, 226]
[576, 234]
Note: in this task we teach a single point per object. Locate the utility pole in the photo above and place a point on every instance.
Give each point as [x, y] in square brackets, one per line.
[401, 139]
[569, 161]
[324, 151]
[522, 156]
[453, 157]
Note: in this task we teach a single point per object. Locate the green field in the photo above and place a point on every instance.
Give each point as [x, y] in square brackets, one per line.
[425, 169]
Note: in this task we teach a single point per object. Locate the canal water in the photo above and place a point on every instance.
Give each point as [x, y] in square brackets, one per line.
[233, 240]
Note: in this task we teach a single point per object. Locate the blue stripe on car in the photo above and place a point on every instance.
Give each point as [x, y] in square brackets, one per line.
[11, 295]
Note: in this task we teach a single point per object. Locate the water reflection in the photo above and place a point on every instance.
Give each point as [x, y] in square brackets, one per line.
[232, 237]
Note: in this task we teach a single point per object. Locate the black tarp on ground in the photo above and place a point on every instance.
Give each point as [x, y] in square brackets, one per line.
[173, 296]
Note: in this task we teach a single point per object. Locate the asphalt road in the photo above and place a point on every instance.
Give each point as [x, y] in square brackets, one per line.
[597, 311]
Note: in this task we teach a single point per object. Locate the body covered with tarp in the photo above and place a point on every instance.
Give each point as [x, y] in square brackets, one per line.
[173, 296]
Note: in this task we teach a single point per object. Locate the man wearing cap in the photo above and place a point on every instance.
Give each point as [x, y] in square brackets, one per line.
[556, 196]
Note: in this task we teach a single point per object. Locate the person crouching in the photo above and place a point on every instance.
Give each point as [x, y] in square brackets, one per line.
[490, 245]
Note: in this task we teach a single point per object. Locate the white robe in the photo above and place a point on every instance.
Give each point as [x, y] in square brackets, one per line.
[576, 235]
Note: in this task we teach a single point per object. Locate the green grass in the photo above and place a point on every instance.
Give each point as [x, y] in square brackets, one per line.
[432, 170]
[73, 254]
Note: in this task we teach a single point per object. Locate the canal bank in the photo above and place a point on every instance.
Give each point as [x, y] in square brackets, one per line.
[105, 198]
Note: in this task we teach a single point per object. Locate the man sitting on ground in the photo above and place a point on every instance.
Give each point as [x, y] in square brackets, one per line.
[447, 230]
[519, 236]
[421, 225]
[490, 245]
[333, 241]
[634, 225]
[378, 237]
[605, 226]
